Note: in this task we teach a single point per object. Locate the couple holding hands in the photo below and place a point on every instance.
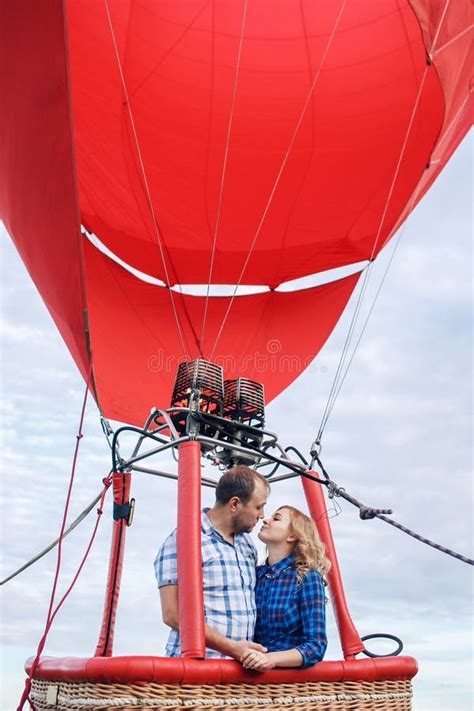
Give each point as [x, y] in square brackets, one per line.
[265, 616]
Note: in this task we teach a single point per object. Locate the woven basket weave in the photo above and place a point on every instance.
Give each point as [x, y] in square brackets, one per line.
[311, 696]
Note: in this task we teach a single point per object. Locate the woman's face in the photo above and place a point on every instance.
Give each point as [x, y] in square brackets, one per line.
[276, 529]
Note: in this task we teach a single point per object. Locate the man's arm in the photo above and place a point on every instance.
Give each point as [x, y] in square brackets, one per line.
[214, 639]
[169, 605]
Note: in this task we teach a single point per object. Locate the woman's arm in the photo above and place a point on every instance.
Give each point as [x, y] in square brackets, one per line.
[313, 641]
[263, 662]
[313, 615]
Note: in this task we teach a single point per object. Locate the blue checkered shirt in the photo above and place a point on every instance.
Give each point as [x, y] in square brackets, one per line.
[291, 615]
[229, 576]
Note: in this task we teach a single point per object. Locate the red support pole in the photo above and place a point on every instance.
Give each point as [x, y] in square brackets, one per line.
[190, 589]
[121, 488]
[351, 642]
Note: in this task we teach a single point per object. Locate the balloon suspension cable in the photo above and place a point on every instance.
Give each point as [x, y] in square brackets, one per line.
[223, 174]
[51, 613]
[305, 471]
[26, 693]
[52, 545]
[279, 175]
[340, 376]
[107, 430]
[367, 512]
[145, 183]
[168, 438]
[119, 464]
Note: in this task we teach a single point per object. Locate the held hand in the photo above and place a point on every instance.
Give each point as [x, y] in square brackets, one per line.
[255, 645]
[243, 646]
[257, 661]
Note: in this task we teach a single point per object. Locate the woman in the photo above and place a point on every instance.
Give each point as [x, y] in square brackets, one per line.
[291, 618]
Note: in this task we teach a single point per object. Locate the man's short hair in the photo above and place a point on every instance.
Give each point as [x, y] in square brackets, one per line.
[239, 481]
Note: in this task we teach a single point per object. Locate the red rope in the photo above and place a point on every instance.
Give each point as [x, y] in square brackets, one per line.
[26, 693]
[52, 614]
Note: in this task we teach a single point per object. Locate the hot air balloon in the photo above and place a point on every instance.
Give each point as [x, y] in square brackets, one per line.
[159, 154]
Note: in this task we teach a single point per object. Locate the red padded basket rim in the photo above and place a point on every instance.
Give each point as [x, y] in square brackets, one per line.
[166, 670]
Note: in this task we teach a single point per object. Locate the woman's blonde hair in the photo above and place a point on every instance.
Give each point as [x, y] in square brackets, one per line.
[309, 551]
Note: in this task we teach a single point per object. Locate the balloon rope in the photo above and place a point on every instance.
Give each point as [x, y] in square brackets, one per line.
[280, 173]
[224, 170]
[447, 130]
[454, 39]
[145, 182]
[435, 39]
[369, 314]
[365, 281]
[339, 378]
[46, 550]
[427, 541]
[26, 693]
[337, 384]
[368, 512]
[79, 436]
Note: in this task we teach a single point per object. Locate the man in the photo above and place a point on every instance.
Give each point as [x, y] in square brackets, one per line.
[229, 559]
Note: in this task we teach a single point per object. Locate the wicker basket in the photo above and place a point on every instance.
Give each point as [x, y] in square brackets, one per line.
[320, 696]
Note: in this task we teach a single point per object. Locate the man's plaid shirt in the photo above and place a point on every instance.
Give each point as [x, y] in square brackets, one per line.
[228, 580]
[291, 615]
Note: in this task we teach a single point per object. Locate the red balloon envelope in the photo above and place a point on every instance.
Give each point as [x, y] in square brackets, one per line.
[232, 143]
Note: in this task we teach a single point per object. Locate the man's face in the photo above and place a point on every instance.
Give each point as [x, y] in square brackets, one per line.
[247, 515]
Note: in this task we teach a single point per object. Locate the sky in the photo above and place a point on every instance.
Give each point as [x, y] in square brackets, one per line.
[400, 436]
